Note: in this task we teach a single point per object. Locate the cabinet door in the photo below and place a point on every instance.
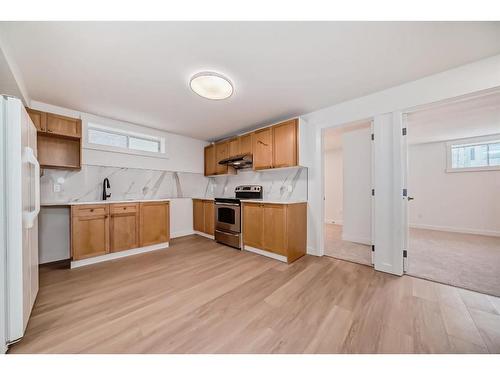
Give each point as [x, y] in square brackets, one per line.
[221, 152]
[253, 225]
[208, 211]
[39, 119]
[246, 144]
[124, 227]
[154, 223]
[233, 147]
[198, 215]
[210, 160]
[285, 144]
[274, 238]
[63, 125]
[262, 149]
[89, 231]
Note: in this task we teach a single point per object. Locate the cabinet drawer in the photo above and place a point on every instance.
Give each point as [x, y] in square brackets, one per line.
[123, 208]
[89, 210]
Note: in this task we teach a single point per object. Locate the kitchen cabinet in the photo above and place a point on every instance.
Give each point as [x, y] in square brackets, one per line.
[154, 223]
[89, 231]
[279, 229]
[233, 147]
[285, 144]
[59, 143]
[246, 144]
[203, 216]
[39, 119]
[221, 152]
[210, 169]
[124, 226]
[262, 147]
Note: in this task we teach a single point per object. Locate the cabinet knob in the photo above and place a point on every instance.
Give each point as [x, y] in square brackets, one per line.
[91, 210]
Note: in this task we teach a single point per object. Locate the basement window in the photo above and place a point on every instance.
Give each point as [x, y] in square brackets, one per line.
[114, 139]
[474, 154]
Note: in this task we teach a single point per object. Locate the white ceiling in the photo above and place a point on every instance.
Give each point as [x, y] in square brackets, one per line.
[139, 71]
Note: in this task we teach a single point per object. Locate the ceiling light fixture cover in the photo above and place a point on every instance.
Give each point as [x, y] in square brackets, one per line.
[211, 85]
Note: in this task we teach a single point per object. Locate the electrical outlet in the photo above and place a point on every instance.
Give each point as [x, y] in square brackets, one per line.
[57, 188]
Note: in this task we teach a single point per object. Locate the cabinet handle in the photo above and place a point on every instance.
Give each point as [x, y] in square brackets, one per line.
[91, 210]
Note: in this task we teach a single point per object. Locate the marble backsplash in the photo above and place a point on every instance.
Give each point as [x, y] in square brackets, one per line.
[288, 184]
[130, 183]
[126, 183]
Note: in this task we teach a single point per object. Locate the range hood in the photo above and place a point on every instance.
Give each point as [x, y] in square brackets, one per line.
[238, 161]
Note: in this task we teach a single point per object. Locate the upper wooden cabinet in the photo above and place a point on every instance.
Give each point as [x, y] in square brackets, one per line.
[262, 146]
[246, 144]
[124, 226]
[276, 146]
[58, 140]
[210, 160]
[89, 231]
[154, 223]
[285, 148]
[39, 119]
[62, 125]
[221, 152]
[280, 229]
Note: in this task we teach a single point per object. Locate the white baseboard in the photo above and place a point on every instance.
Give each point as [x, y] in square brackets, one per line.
[181, 233]
[457, 230]
[356, 239]
[117, 255]
[265, 253]
[204, 235]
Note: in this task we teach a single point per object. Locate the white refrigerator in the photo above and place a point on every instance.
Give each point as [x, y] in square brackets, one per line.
[20, 201]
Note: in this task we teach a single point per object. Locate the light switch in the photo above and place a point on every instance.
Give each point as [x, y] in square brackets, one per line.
[57, 188]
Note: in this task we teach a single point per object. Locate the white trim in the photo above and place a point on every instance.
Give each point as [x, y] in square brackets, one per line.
[117, 255]
[181, 233]
[492, 233]
[265, 253]
[204, 235]
[356, 239]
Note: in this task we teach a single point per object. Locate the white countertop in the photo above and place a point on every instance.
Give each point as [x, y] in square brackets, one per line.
[103, 202]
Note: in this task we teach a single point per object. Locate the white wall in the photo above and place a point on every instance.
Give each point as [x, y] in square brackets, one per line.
[466, 202]
[467, 79]
[333, 186]
[357, 185]
[53, 234]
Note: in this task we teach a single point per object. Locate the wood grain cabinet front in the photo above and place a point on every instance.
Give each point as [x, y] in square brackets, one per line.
[285, 150]
[203, 216]
[221, 152]
[154, 223]
[39, 119]
[89, 231]
[280, 229]
[210, 169]
[62, 125]
[262, 147]
[124, 226]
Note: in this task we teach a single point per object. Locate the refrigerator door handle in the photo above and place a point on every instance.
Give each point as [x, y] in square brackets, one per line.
[30, 216]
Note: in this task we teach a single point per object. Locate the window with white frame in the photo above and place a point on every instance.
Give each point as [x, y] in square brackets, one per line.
[129, 142]
[473, 154]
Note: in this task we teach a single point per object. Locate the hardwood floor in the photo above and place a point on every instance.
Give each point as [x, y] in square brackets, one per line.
[201, 297]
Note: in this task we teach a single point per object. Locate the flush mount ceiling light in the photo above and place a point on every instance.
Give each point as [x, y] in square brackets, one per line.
[211, 85]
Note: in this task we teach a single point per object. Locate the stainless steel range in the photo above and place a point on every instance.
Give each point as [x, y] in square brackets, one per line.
[228, 214]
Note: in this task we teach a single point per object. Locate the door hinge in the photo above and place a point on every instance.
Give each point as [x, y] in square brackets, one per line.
[404, 131]
[373, 247]
[373, 192]
[373, 137]
[405, 253]
[405, 192]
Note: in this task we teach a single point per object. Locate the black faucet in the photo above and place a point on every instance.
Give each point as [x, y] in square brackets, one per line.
[105, 184]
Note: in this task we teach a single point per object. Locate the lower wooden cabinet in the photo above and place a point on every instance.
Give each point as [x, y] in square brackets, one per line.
[99, 229]
[89, 231]
[203, 216]
[154, 223]
[124, 226]
[277, 228]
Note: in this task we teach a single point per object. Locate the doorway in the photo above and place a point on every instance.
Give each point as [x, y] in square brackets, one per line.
[453, 181]
[348, 185]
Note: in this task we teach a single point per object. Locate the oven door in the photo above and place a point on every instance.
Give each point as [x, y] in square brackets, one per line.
[227, 217]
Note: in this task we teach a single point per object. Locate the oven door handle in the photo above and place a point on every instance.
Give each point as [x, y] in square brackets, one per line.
[227, 204]
[227, 233]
